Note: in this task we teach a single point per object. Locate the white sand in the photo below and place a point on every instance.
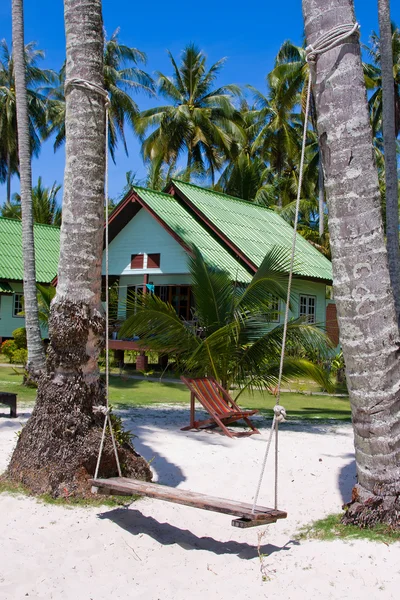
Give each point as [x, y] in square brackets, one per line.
[156, 550]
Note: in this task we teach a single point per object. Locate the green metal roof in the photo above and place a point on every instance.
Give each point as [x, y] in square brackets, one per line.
[170, 211]
[47, 250]
[254, 229]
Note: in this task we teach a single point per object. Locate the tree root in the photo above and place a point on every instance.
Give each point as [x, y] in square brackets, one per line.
[368, 510]
[69, 475]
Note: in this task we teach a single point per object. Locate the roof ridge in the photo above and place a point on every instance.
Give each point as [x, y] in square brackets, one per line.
[146, 189]
[226, 196]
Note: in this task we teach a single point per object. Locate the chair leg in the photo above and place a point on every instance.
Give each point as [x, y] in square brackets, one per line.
[250, 424]
[192, 409]
[222, 426]
[193, 424]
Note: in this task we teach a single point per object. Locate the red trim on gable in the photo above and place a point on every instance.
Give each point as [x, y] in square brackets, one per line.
[238, 252]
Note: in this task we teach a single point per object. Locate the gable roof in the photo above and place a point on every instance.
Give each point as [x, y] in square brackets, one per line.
[47, 250]
[250, 230]
[188, 231]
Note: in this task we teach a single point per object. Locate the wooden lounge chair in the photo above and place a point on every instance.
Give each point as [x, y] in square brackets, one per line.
[218, 403]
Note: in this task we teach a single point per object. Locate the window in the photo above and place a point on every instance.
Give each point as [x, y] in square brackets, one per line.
[180, 296]
[137, 261]
[18, 305]
[274, 316]
[307, 307]
[153, 261]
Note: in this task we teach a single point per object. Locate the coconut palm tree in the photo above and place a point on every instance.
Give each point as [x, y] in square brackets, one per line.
[36, 357]
[45, 205]
[373, 78]
[245, 176]
[389, 134]
[35, 77]
[122, 77]
[232, 338]
[366, 312]
[57, 449]
[200, 123]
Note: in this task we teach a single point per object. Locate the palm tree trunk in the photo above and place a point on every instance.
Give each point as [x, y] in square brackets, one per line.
[8, 178]
[364, 297]
[321, 199]
[58, 447]
[36, 357]
[389, 145]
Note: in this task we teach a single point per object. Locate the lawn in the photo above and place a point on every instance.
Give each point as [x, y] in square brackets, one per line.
[126, 392]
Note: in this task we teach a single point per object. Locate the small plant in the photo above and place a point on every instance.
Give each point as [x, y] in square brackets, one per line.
[338, 367]
[19, 336]
[122, 436]
[8, 348]
[20, 356]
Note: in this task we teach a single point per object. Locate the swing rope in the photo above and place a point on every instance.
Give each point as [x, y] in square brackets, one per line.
[105, 410]
[326, 42]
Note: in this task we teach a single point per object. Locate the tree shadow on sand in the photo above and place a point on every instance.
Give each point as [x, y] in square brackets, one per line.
[166, 534]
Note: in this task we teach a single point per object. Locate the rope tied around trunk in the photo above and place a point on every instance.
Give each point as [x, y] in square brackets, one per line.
[104, 410]
[334, 37]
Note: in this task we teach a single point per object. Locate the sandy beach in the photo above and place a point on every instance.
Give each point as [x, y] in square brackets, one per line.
[155, 550]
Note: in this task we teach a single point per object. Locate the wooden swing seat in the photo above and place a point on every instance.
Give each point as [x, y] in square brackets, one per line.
[243, 510]
[222, 409]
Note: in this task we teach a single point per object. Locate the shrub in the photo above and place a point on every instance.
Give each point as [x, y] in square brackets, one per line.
[19, 336]
[8, 348]
[20, 356]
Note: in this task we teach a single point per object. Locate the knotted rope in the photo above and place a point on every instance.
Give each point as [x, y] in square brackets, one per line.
[105, 410]
[329, 40]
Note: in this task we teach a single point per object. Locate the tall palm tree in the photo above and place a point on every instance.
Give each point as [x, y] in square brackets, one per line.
[36, 357]
[200, 122]
[277, 140]
[233, 338]
[373, 77]
[45, 206]
[35, 77]
[369, 331]
[122, 77]
[280, 138]
[389, 133]
[246, 174]
[57, 449]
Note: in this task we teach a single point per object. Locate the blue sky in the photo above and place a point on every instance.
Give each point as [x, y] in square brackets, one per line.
[249, 40]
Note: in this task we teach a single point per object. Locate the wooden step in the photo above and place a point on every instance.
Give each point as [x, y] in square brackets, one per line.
[262, 515]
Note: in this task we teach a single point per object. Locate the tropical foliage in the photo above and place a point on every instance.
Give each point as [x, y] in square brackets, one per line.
[232, 337]
[38, 124]
[200, 122]
[241, 141]
[122, 77]
[45, 206]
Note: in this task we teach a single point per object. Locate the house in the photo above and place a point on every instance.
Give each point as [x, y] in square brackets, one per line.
[47, 248]
[151, 234]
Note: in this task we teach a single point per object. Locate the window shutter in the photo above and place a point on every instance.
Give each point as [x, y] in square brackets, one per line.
[153, 261]
[137, 261]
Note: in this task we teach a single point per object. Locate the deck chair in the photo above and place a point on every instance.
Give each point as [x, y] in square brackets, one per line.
[218, 403]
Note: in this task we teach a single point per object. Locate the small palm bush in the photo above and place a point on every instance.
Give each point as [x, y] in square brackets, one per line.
[232, 337]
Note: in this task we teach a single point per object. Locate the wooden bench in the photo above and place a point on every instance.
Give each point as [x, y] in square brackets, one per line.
[11, 401]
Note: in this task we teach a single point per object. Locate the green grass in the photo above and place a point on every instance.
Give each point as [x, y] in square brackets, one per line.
[126, 393]
[330, 528]
[15, 489]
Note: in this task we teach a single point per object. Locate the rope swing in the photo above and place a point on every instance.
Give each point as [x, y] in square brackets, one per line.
[326, 42]
[250, 514]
